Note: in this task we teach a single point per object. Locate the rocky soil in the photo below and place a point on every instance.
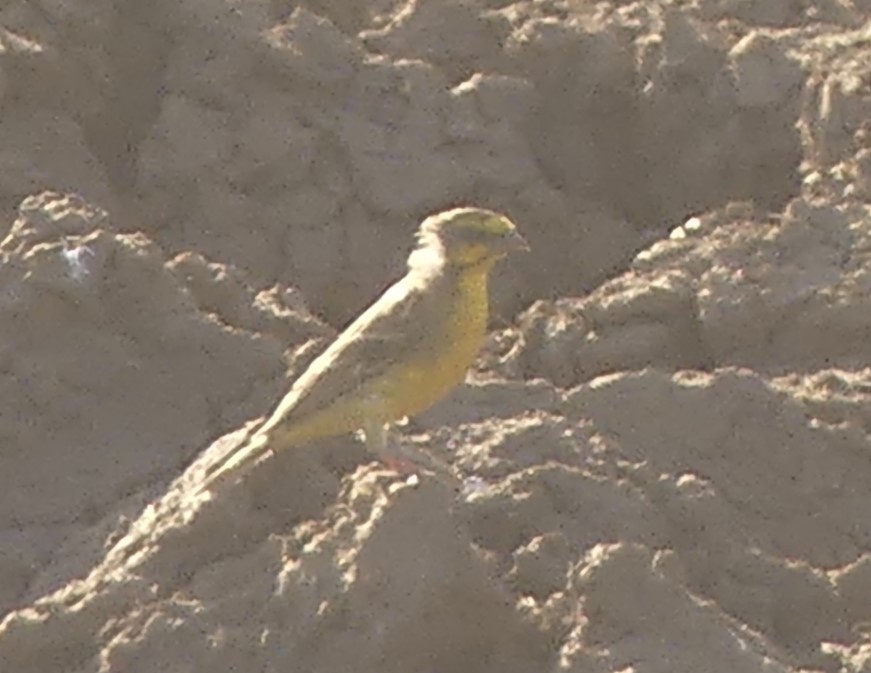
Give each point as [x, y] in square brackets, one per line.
[662, 460]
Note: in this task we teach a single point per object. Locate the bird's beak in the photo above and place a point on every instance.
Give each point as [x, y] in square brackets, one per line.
[514, 242]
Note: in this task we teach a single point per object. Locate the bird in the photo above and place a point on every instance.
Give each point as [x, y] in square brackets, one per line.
[401, 355]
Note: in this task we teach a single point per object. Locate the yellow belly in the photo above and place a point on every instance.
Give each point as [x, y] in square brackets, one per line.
[416, 385]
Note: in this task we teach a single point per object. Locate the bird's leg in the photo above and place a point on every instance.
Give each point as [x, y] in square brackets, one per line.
[376, 437]
[378, 441]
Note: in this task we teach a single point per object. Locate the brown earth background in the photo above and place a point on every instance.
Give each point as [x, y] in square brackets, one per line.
[663, 461]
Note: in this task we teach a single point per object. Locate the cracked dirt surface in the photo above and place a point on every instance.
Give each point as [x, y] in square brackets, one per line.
[661, 461]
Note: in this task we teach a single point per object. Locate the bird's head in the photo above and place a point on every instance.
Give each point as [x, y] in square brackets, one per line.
[466, 237]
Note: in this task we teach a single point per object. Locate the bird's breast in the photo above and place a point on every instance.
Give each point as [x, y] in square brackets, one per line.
[450, 347]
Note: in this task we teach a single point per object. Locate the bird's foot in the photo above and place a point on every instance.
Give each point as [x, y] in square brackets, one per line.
[400, 465]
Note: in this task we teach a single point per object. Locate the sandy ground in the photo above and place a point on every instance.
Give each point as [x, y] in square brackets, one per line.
[661, 462]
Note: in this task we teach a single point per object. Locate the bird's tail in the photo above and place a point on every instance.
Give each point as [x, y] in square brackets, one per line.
[237, 463]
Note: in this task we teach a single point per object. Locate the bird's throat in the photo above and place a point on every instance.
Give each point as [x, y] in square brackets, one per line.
[471, 308]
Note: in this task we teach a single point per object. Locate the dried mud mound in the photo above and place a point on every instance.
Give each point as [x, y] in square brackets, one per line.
[662, 465]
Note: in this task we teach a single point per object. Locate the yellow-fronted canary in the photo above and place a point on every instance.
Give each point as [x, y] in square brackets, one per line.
[403, 353]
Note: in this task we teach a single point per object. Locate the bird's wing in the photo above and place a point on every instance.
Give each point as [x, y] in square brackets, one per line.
[382, 335]
[398, 323]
